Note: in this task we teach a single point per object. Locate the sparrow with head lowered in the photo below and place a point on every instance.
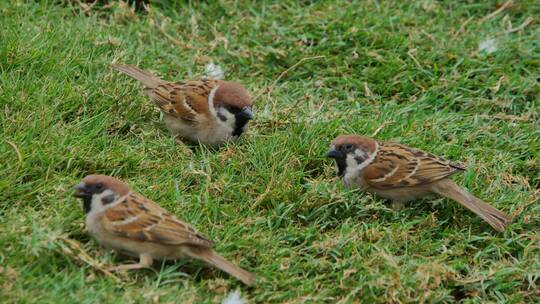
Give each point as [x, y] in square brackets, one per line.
[401, 174]
[208, 111]
[134, 225]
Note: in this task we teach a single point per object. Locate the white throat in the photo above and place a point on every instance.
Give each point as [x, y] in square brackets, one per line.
[98, 206]
[93, 218]
[354, 169]
[211, 97]
[224, 120]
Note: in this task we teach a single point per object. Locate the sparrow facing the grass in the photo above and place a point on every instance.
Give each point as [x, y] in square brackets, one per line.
[134, 225]
[401, 174]
[208, 111]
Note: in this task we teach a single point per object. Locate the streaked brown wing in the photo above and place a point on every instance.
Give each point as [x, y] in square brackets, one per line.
[185, 100]
[141, 219]
[400, 166]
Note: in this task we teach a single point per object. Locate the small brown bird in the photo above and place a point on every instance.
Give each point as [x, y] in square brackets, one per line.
[401, 174]
[134, 225]
[208, 111]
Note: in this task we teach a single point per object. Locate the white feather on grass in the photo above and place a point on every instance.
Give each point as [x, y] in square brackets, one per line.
[233, 298]
[214, 71]
[488, 46]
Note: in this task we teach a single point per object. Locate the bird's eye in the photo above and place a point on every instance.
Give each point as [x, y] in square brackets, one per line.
[348, 148]
[99, 186]
[232, 110]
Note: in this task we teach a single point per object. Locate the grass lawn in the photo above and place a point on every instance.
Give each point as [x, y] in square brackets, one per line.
[456, 78]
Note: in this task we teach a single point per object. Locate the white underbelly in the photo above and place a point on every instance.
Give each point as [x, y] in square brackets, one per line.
[212, 134]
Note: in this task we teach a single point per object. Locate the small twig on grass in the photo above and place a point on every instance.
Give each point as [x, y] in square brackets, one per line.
[462, 27]
[498, 11]
[73, 248]
[14, 146]
[410, 53]
[527, 21]
[384, 124]
[86, 7]
[161, 28]
[502, 116]
[429, 36]
[274, 83]
[497, 87]
[369, 93]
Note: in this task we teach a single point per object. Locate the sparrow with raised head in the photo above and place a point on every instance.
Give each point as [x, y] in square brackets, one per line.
[401, 174]
[208, 111]
[134, 225]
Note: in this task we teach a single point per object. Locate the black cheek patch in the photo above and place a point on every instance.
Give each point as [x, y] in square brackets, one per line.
[108, 199]
[359, 159]
[221, 116]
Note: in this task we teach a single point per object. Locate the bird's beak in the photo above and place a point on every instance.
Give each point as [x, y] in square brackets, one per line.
[80, 190]
[246, 113]
[334, 154]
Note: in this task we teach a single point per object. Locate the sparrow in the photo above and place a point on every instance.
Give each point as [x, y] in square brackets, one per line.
[208, 111]
[400, 173]
[134, 225]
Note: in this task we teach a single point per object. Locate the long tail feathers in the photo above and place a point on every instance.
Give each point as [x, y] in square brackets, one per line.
[147, 78]
[494, 217]
[209, 256]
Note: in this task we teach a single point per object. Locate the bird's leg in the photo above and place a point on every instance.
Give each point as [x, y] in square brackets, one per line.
[397, 205]
[145, 261]
[182, 144]
[179, 141]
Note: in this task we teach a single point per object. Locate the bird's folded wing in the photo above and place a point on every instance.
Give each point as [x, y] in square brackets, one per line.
[141, 219]
[185, 100]
[400, 166]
